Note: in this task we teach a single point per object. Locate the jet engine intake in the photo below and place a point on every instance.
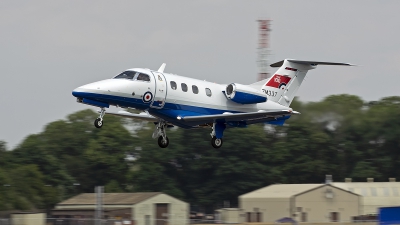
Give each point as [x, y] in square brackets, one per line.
[244, 94]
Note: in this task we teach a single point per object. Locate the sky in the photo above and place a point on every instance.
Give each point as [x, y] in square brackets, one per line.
[48, 48]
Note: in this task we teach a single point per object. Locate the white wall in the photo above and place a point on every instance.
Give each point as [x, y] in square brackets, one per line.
[318, 207]
[28, 219]
[178, 210]
[272, 209]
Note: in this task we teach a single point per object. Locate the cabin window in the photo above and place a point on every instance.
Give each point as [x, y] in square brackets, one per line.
[184, 87]
[143, 77]
[173, 85]
[195, 89]
[208, 92]
[126, 75]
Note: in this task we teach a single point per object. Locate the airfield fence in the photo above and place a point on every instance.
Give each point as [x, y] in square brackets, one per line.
[90, 221]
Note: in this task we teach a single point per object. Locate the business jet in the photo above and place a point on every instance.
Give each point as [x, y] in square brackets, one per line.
[170, 100]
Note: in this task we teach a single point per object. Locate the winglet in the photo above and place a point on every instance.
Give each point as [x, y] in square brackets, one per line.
[162, 67]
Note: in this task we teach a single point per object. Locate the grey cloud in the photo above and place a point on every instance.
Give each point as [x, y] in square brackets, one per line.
[50, 47]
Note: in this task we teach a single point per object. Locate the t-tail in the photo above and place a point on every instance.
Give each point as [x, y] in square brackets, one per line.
[283, 85]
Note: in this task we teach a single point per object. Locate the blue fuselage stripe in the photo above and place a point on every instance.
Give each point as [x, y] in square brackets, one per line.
[169, 112]
[184, 110]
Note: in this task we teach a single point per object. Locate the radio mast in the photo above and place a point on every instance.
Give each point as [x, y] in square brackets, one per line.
[263, 48]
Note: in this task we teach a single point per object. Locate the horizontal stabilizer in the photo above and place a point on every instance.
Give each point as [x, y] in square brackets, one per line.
[312, 63]
[141, 116]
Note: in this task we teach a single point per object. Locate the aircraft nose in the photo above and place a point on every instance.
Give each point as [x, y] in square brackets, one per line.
[95, 89]
[85, 90]
[78, 92]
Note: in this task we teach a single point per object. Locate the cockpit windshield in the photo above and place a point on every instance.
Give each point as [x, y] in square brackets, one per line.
[126, 75]
[133, 75]
[143, 77]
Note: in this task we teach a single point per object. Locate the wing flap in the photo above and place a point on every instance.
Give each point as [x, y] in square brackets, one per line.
[238, 116]
[141, 116]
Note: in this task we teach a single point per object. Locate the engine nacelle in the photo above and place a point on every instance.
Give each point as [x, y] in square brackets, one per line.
[244, 94]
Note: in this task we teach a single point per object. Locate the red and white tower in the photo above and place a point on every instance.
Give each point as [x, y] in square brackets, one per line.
[263, 48]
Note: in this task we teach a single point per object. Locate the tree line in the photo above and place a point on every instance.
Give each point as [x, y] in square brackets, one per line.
[341, 135]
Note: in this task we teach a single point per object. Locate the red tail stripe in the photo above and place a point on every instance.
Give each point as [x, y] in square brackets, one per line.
[277, 80]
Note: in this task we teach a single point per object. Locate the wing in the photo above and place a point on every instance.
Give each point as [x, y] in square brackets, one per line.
[252, 116]
[140, 116]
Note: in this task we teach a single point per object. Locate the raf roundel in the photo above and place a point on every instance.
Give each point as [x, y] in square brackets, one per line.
[147, 97]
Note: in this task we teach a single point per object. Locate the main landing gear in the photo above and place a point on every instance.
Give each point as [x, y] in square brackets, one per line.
[216, 134]
[98, 123]
[160, 131]
[161, 134]
[163, 141]
[216, 142]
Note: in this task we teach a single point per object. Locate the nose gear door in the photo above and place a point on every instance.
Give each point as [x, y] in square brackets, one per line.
[160, 92]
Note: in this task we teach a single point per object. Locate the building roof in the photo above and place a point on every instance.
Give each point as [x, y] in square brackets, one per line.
[375, 194]
[109, 198]
[281, 190]
[90, 209]
[371, 189]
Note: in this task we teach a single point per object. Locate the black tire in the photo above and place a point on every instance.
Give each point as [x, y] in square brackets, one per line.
[216, 142]
[98, 123]
[162, 143]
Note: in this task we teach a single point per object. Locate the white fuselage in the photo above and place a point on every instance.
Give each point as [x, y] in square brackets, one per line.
[168, 100]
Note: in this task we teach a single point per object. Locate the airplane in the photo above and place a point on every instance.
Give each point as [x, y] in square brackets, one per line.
[170, 100]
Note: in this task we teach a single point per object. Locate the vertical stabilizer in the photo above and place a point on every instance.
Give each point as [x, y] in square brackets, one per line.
[283, 85]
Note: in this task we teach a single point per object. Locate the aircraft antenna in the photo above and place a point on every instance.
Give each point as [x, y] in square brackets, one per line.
[263, 48]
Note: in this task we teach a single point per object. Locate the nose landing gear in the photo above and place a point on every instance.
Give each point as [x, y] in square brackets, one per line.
[161, 133]
[98, 123]
[163, 142]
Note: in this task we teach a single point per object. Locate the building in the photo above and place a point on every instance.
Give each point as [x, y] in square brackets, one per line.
[303, 202]
[28, 218]
[228, 215]
[374, 194]
[146, 208]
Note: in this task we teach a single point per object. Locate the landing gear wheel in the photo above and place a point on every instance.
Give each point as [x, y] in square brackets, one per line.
[98, 123]
[163, 143]
[216, 142]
